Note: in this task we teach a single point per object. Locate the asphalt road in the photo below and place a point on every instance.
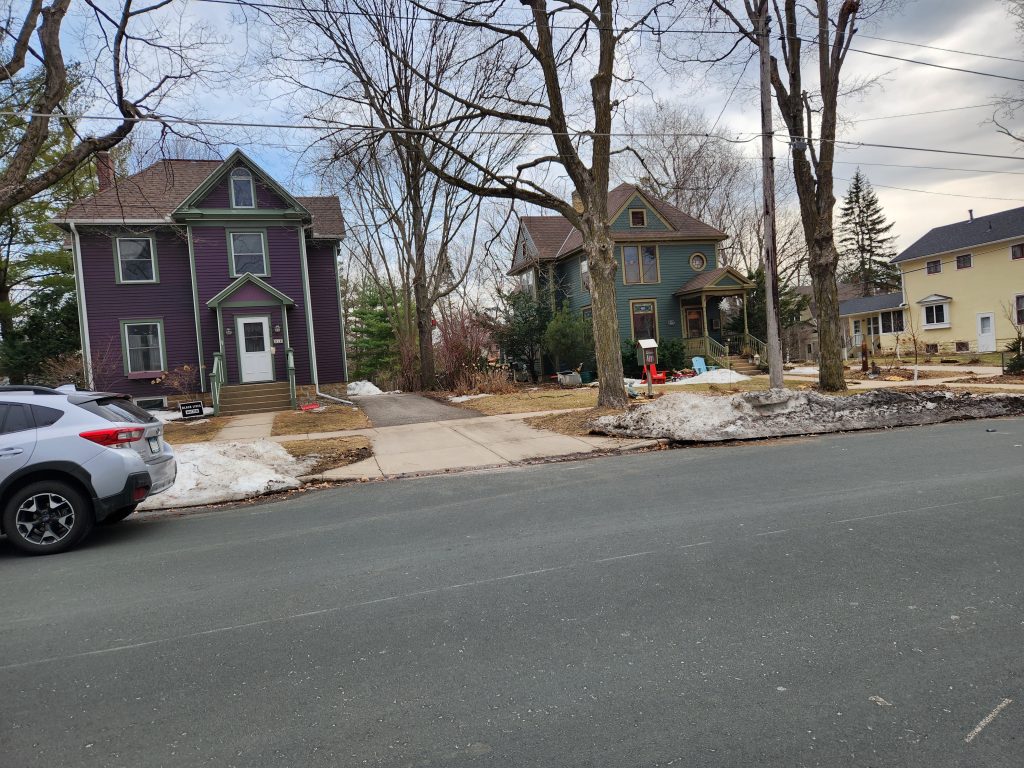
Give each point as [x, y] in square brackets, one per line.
[852, 600]
[407, 408]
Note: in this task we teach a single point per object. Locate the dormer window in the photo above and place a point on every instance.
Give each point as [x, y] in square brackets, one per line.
[242, 192]
[637, 217]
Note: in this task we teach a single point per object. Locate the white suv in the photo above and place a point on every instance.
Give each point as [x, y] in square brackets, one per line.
[69, 460]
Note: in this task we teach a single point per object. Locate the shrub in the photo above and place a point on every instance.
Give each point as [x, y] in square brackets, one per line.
[671, 355]
[570, 339]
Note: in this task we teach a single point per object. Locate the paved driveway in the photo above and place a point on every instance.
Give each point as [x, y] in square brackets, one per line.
[405, 408]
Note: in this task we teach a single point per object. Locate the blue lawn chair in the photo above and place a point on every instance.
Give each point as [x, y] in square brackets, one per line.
[699, 366]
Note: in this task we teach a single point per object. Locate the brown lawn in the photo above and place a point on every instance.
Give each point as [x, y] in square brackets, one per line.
[332, 419]
[575, 423]
[199, 431]
[330, 453]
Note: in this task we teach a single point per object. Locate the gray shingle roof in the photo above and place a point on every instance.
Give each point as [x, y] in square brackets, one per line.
[862, 304]
[967, 234]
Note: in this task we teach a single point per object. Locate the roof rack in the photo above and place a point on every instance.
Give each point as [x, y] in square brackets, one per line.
[30, 388]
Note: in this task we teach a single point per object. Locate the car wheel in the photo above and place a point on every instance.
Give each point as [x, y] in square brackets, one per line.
[47, 517]
[118, 515]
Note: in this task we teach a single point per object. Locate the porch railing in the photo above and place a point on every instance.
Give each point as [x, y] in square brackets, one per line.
[756, 347]
[290, 367]
[710, 349]
[218, 375]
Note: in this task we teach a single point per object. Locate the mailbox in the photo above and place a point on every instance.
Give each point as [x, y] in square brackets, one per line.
[646, 352]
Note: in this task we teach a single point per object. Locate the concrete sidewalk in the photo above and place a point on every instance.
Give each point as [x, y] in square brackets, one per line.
[470, 443]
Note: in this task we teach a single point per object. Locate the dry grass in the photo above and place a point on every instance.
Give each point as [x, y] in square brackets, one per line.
[330, 453]
[200, 431]
[529, 400]
[332, 419]
[575, 423]
[753, 385]
[1006, 378]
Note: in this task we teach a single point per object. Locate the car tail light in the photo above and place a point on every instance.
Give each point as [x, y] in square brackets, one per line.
[114, 436]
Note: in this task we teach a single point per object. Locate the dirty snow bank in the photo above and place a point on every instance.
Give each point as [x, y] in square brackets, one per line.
[210, 473]
[166, 416]
[688, 417]
[803, 370]
[721, 376]
[363, 389]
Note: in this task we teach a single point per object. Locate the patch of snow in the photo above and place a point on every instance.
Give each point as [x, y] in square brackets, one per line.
[464, 398]
[362, 389]
[166, 416]
[721, 376]
[210, 473]
[804, 370]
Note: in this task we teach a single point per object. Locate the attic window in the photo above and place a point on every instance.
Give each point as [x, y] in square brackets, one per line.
[637, 217]
[242, 193]
[934, 267]
[1017, 251]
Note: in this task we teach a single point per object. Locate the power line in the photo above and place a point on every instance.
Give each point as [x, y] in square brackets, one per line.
[943, 194]
[940, 48]
[926, 112]
[929, 167]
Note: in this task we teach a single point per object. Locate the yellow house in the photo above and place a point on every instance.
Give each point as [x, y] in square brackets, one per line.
[880, 320]
[963, 284]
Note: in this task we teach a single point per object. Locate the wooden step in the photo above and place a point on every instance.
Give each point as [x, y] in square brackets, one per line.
[245, 411]
[240, 399]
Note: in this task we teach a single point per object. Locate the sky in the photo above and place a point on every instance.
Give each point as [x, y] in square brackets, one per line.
[941, 196]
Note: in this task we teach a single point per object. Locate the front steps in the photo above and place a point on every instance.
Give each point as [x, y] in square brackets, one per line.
[240, 399]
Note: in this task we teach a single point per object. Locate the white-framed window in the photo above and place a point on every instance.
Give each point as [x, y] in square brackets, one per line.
[856, 327]
[143, 345]
[874, 326]
[243, 194]
[1017, 251]
[934, 266]
[637, 217]
[136, 260]
[892, 322]
[248, 253]
[964, 261]
[528, 282]
[936, 315]
[584, 273]
[1018, 305]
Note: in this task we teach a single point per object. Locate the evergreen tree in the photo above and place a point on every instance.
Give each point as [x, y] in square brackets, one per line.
[521, 335]
[372, 349]
[865, 242]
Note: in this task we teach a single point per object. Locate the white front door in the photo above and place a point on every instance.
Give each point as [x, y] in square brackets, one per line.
[255, 361]
[987, 332]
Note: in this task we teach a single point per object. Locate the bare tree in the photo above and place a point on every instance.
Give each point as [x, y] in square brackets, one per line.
[810, 117]
[555, 77]
[143, 58]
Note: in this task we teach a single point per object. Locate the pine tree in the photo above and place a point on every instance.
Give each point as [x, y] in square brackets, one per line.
[865, 242]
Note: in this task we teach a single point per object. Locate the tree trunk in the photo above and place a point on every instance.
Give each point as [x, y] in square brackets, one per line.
[611, 391]
[823, 260]
[425, 332]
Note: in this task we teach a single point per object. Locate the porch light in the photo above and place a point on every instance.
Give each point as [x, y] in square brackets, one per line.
[228, 331]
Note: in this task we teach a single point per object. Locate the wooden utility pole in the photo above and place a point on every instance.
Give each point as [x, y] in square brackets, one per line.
[771, 279]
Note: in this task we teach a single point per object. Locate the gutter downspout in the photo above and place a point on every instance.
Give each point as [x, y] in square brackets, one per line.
[309, 321]
[83, 316]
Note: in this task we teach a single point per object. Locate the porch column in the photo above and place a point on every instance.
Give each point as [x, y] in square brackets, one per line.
[704, 320]
[746, 332]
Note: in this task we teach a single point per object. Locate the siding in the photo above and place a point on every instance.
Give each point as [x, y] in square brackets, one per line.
[220, 196]
[213, 276]
[654, 223]
[323, 293]
[108, 302]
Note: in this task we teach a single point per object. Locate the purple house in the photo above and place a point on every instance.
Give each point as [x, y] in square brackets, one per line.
[214, 266]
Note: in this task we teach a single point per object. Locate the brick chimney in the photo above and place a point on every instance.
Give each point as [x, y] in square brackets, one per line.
[577, 202]
[104, 170]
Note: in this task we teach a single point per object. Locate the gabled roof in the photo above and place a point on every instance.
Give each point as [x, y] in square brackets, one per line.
[152, 195]
[236, 158]
[682, 226]
[1004, 225]
[935, 298]
[246, 279]
[715, 280]
[863, 304]
[547, 234]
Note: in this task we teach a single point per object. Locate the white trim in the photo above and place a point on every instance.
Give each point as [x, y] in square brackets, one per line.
[231, 187]
[945, 315]
[264, 321]
[631, 211]
[152, 259]
[76, 252]
[309, 310]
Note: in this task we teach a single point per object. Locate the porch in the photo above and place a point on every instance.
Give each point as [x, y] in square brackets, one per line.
[737, 351]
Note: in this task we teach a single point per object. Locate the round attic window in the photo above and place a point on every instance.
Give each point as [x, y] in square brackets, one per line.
[698, 262]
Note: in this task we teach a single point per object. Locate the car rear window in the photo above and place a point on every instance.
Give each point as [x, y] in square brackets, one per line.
[15, 418]
[44, 416]
[118, 409]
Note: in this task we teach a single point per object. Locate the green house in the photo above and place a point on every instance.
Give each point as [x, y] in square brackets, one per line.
[670, 282]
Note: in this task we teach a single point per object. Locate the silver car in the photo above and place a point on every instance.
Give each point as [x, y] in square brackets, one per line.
[69, 460]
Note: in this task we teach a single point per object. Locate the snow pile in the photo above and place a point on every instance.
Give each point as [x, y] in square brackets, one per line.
[210, 473]
[803, 370]
[721, 376]
[362, 389]
[689, 417]
[166, 416]
[464, 398]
